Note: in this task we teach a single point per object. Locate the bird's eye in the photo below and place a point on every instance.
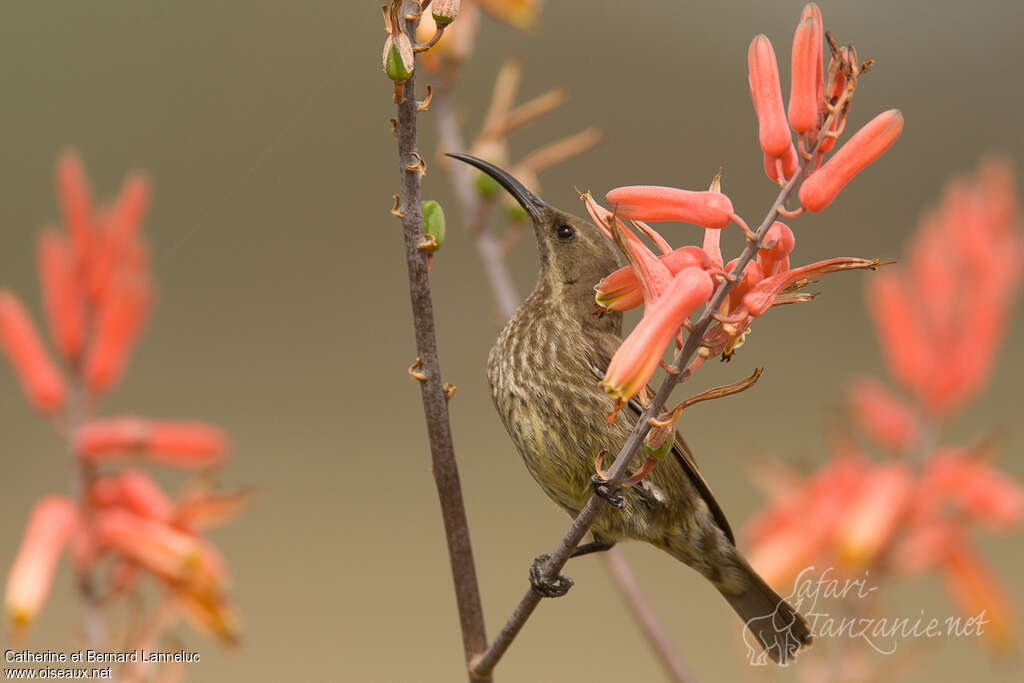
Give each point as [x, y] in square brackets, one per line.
[566, 233]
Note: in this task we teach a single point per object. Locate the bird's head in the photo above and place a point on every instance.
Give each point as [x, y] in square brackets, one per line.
[574, 255]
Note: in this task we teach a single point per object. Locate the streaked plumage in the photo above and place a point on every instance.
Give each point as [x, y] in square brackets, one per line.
[543, 373]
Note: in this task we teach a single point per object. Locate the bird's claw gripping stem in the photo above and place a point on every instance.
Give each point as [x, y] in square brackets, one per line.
[544, 586]
[600, 486]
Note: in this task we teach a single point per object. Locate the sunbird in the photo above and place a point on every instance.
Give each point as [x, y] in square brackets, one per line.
[543, 373]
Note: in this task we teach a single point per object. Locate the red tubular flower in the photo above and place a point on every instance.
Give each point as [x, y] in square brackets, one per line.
[144, 496]
[981, 493]
[61, 296]
[650, 272]
[636, 359]
[52, 522]
[186, 443]
[75, 202]
[766, 94]
[750, 278]
[907, 346]
[883, 415]
[179, 444]
[780, 242]
[789, 162]
[653, 203]
[118, 244]
[172, 554]
[118, 326]
[42, 383]
[975, 589]
[868, 144]
[805, 93]
[621, 290]
[874, 515]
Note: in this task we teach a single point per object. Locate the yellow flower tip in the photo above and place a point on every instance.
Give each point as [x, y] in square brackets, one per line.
[854, 556]
[20, 617]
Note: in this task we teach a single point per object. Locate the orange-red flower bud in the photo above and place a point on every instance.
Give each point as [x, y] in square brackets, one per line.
[868, 144]
[75, 202]
[40, 380]
[144, 496]
[118, 326]
[789, 161]
[805, 92]
[636, 359]
[779, 241]
[180, 444]
[774, 133]
[52, 522]
[883, 415]
[62, 298]
[979, 491]
[168, 552]
[118, 246]
[655, 203]
[908, 348]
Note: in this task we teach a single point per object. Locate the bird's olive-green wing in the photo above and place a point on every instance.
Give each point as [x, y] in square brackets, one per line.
[600, 359]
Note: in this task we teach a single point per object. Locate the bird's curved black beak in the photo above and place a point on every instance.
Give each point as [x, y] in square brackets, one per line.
[528, 200]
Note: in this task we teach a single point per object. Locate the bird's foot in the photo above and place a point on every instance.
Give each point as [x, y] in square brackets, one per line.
[600, 486]
[544, 586]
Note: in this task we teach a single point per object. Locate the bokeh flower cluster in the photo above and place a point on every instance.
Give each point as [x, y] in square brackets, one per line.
[118, 526]
[917, 503]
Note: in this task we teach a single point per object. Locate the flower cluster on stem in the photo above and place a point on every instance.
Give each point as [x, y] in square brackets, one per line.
[940, 319]
[118, 525]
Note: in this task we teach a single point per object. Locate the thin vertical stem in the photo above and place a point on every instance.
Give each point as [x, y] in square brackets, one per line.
[82, 475]
[435, 402]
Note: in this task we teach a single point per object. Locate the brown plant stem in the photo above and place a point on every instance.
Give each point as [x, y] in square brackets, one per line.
[435, 404]
[507, 298]
[82, 477]
[645, 617]
[617, 473]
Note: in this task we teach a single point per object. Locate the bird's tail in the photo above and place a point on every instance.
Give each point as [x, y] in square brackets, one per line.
[775, 625]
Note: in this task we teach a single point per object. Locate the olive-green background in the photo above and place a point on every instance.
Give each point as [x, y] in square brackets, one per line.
[283, 310]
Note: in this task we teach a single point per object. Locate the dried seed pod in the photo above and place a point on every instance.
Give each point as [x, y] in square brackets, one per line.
[398, 59]
[445, 11]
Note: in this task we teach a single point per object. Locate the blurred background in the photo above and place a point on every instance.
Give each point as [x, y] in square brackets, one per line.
[283, 309]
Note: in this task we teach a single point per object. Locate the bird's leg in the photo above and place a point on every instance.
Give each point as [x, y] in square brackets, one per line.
[548, 587]
[599, 482]
[592, 547]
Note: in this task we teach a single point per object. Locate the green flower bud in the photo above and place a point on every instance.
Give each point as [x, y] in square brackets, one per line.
[487, 186]
[659, 441]
[445, 11]
[398, 57]
[433, 225]
[514, 213]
